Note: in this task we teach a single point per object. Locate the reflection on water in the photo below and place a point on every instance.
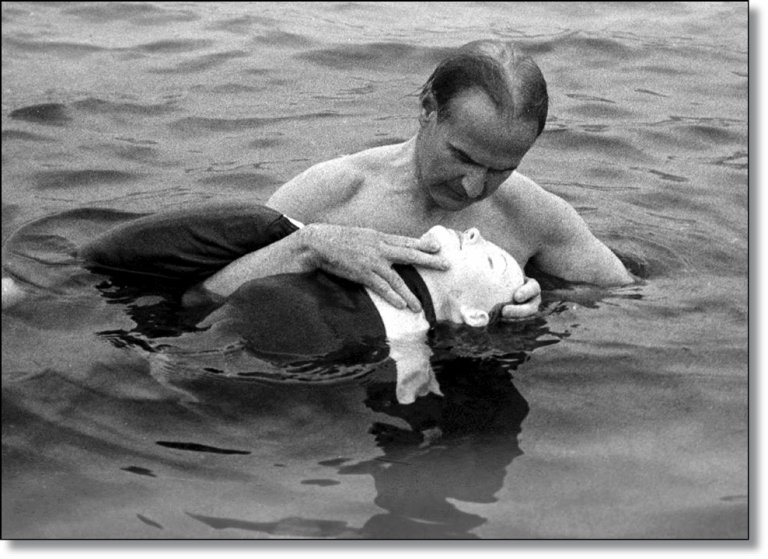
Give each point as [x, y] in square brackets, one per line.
[454, 448]
[444, 451]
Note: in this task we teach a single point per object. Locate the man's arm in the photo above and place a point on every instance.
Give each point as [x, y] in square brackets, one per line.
[570, 251]
[358, 254]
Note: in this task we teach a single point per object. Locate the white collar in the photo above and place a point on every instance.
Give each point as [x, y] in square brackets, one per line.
[408, 348]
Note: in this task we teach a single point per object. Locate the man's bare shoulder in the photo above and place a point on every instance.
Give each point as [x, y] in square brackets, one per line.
[363, 161]
[331, 184]
[541, 218]
[325, 184]
[523, 199]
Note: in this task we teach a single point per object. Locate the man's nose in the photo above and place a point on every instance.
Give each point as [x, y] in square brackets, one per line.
[473, 182]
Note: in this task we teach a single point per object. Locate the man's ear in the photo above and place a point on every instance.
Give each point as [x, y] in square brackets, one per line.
[477, 318]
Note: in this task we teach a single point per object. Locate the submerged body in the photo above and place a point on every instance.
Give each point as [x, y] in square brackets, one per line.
[286, 319]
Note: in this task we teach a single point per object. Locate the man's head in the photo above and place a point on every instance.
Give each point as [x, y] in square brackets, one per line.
[481, 279]
[481, 111]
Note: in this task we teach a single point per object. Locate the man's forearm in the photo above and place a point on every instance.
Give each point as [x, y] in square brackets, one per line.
[288, 255]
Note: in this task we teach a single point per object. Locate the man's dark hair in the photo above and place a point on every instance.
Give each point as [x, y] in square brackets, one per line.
[510, 78]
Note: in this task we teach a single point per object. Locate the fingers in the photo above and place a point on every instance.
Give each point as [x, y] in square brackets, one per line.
[366, 256]
[427, 244]
[526, 301]
[416, 257]
[396, 292]
[515, 311]
[527, 291]
[424, 244]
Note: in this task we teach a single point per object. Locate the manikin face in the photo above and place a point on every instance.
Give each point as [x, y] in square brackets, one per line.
[466, 157]
[481, 275]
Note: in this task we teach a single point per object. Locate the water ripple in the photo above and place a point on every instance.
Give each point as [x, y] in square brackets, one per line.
[201, 63]
[149, 522]
[603, 144]
[290, 526]
[24, 136]
[737, 160]
[240, 180]
[51, 114]
[80, 178]
[197, 447]
[710, 134]
[100, 106]
[379, 55]
[196, 125]
[649, 92]
[665, 176]
[584, 97]
[284, 39]
[596, 48]
[235, 88]
[599, 110]
[172, 45]
[58, 47]
[242, 25]
[137, 13]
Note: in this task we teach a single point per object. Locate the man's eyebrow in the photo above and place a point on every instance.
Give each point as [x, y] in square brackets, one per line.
[463, 155]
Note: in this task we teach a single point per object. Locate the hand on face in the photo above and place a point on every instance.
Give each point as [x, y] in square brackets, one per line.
[481, 275]
[525, 303]
[366, 256]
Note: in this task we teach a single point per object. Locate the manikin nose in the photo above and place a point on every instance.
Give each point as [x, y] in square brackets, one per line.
[472, 235]
[473, 182]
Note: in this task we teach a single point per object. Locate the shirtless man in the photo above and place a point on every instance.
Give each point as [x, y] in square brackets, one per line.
[481, 111]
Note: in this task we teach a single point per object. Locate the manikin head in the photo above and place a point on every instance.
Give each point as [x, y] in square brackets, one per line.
[481, 279]
[481, 111]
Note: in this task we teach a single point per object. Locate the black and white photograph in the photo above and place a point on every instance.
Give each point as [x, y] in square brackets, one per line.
[412, 271]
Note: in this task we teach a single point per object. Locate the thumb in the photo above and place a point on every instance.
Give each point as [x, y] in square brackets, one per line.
[428, 244]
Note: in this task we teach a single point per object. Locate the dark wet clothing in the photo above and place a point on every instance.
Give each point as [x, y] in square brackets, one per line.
[277, 317]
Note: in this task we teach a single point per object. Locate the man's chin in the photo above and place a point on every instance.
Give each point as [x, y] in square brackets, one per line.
[449, 201]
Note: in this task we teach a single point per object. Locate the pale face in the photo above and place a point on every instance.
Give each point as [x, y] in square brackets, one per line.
[466, 157]
[481, 275]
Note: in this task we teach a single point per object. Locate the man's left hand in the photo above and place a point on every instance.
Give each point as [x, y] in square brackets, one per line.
[527, 300]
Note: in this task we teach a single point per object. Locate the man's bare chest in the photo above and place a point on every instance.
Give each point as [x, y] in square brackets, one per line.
[390, 213]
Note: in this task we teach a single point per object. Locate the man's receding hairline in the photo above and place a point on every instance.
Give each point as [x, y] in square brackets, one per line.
[512, 66]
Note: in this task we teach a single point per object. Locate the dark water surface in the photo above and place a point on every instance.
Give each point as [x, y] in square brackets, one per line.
[620, 414]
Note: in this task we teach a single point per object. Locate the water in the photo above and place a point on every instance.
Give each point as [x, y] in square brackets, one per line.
[621, 414]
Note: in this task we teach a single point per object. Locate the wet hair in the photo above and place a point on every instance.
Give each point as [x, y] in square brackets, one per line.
[509, 77]
[494, 315]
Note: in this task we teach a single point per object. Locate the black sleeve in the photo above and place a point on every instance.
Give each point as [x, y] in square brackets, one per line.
[189, 244]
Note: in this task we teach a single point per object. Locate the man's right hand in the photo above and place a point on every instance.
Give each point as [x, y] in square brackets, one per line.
[366, 256]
